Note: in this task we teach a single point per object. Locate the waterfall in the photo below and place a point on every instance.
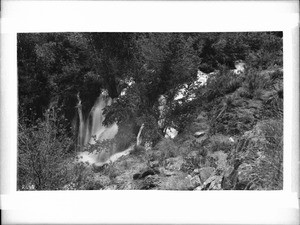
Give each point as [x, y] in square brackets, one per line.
[91, 128]
[96, 119]
[81, 122]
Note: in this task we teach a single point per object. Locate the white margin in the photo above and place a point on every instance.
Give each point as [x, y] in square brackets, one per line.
[221, 207]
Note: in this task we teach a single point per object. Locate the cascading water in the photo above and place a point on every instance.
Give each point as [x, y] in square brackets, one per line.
[99, 131]
[92, 129]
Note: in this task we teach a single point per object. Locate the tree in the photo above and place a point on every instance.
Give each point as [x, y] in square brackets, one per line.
[54, 67]
[42, 151]
[164, 62]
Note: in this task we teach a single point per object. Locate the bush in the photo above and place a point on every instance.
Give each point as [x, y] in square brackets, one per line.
[168, 148]
[105, 148]
[278, 74]
[220, 143]
[234, 116]
[269, 54]
[224, 83]
[256, 80]
[242, 92]
[42, 153]
[252, 81]
[273, 106]
[125, 136]
[79, 176]
[138, 150]
[262, 156]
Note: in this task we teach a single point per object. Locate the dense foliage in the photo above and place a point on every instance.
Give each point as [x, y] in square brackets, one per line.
[54, 67]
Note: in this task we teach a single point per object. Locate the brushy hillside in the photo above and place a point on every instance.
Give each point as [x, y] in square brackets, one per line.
[230, 134]
[241, 147]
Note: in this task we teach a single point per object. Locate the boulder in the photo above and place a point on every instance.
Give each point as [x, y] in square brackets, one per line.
[111, 187]
[144, 173]
[154, 164]
[212, 183]
[136, 176]
[195, 181]
[178, 181]
[98, 167]
[170, 132]
[196, 171]
[205, 173]
[148, 172]
[216, 184]
[174, 163]
[150, 182]
[220, 159]
[199, 134]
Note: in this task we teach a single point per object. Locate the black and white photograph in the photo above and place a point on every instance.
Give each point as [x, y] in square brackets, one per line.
[150, 111]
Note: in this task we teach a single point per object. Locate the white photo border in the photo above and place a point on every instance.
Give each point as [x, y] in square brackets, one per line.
[148, 207]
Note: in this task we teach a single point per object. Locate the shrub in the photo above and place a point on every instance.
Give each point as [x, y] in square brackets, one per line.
[111, 171]
[138, 150]
[256, 81]
[168, 148]
[104, 147]
[243, 93]
[42, 153]
[192, 161]
[273, 106]
[234, 117]
[278, 74]
[220, 143]
[269, 54]
[79, 176]
[262, 151]
[125, 136]
[252, 80]
[226, 82]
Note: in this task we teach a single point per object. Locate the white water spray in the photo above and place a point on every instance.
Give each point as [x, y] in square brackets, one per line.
[92, 129]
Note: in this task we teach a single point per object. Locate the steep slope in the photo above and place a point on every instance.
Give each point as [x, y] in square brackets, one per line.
[235, 142]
